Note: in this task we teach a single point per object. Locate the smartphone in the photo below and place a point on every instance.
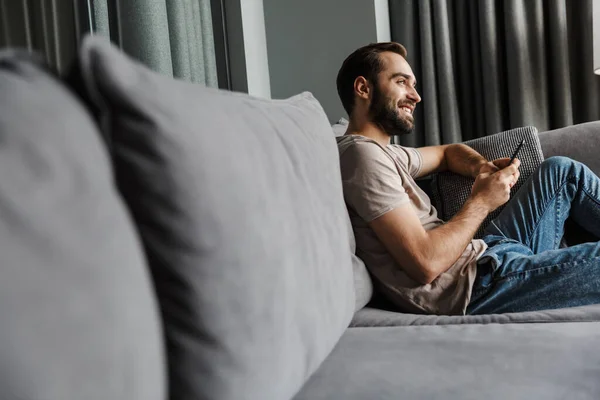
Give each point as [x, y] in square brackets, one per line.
[516, 151]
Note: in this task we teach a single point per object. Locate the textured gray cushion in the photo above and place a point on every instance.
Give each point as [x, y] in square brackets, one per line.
[240, 207]
[463, 362]
[78, 318]
[450, 190]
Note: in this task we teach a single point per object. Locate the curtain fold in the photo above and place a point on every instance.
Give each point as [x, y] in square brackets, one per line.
[173, 37]
[490, 65]
[47, 26]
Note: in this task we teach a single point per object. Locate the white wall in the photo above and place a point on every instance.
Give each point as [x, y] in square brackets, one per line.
[255, 46]
[247, 47]
[308, 40]
[279, 48]
[382, 20]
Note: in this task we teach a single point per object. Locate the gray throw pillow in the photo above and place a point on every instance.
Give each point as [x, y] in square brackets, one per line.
[340, 127]
[78, 317]
[450, 190]
[239, 204]
[363, 284]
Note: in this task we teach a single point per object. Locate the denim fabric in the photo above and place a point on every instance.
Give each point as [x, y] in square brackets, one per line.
[523, 268]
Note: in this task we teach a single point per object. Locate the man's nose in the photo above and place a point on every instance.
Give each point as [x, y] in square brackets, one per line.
[414, 95]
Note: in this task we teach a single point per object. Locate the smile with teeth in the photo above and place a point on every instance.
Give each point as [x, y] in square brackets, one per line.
[407, 110]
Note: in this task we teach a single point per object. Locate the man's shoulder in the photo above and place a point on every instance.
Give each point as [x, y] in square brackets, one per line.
[359, 147]
[402, 150]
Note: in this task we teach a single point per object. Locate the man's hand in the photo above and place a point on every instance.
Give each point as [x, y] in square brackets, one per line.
[492, 189]
[498, 164]
[488, 168]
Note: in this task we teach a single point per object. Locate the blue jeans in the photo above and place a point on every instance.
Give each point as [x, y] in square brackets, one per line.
[523, 268]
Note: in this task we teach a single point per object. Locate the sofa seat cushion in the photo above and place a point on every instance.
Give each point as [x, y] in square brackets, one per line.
[239, 204]
[369, 316]
[511, 361]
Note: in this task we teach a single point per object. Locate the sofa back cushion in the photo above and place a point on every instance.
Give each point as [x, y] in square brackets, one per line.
[579, 142]
[78, 317]
[239, 204]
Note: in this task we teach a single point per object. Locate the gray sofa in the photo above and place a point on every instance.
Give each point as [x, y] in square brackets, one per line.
[547, 354]
[162, 240]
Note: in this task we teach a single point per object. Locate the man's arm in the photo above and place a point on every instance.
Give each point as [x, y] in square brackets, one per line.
[426, 254]
[458, 158]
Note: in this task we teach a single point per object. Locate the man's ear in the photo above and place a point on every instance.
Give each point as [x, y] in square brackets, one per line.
[362, 88]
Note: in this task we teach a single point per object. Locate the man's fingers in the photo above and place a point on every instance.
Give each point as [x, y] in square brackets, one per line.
[501, 162]
[510, 174]
[510, 170]
[515, 178]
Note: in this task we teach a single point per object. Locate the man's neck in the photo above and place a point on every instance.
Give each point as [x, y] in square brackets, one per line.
[364, 127]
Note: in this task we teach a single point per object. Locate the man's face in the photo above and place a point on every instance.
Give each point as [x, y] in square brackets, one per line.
[394, 96]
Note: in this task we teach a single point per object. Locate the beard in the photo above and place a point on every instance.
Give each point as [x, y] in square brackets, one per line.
[387, 116]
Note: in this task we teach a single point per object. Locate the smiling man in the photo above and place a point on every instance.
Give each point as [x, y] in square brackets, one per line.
[425, 265]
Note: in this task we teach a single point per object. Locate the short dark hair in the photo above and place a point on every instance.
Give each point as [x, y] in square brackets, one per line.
[363, 62]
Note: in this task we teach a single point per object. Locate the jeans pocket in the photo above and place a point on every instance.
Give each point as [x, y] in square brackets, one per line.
[485, 275]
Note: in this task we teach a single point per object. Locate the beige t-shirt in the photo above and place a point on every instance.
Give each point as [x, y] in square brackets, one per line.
[376, 180]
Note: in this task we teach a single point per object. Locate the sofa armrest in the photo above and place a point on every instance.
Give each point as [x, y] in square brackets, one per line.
[579, 142]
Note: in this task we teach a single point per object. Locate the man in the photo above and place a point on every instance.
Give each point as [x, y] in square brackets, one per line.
[424, 265]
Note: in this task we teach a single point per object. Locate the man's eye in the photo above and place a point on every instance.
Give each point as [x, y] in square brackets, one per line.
[401, 82]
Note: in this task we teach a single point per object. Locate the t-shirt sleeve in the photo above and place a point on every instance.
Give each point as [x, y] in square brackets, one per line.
[414, 160]
[371, 182]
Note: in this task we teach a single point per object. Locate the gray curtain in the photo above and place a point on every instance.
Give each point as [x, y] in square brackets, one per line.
[51, 28]
[173, 37]
[484, 66]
